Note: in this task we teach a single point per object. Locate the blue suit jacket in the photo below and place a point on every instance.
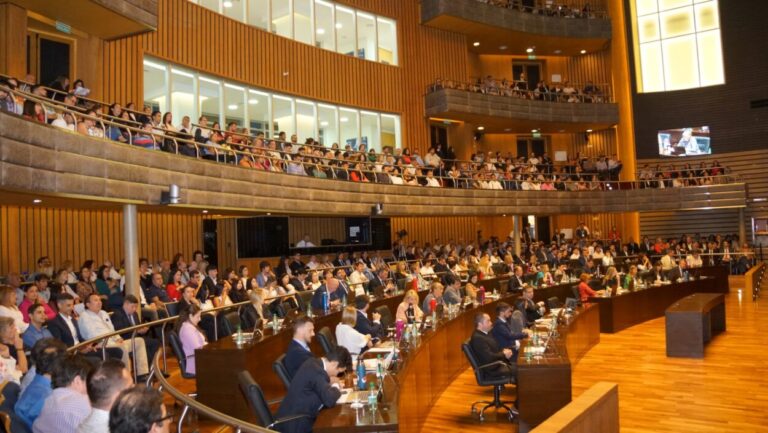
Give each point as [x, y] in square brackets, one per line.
[309, 392]
[317, 298]
[295, 357]
[365, 326]
[503, 335]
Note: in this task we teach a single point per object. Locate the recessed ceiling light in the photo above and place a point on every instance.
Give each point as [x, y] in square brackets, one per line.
[37, 201]
[269, 213]
[344, 119]
[320, 31]
[232, 107]
[227, 4]
[205, 210]
[253, 101]
[589, 130]
[476, 44]
[338, 25]
[529, 50]
[481, 128]
[323, 123]
[503, 214]
[502, 47]
[534, 130]
[507, 129]
[583, 51]
[558, 51]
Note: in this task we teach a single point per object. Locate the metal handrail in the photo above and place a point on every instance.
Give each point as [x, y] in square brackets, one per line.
[602, 94]
[367, 173]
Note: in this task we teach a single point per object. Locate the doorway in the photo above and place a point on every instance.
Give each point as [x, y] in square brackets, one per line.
[49, 57]
[438, 134]
[532, 72]
[528, 145]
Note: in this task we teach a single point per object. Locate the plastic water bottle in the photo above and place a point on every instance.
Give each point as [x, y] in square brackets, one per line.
[379, 367]
[343, 301]
[325, 301]
[275, 324]
[239, 335]
[360, 373]
[535, 339]
[372, 397]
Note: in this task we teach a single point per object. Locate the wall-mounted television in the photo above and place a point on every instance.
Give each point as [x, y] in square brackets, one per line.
[684, 141]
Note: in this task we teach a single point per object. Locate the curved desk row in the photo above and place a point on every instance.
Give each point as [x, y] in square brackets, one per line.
[424, 371]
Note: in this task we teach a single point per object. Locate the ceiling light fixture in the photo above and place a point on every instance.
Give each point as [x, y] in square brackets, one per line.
[558, 51]
[205, 210]
[320, 31]
[227, 4]
[481, 128]
[589, 130]
[476, 44]
[534, 130]
[502, 47]
[232, 107]
[529, 50]
[323, 123]
[253, 101]
[583, 51]
[338, 25]
[37, 201]
[344, 119]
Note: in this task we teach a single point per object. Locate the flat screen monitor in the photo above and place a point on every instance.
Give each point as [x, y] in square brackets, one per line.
[684, 142]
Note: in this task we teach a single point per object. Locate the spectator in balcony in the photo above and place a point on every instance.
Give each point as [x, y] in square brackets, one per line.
[570, 92]
[146, 115]
[65, 121]
[144, 138]
[541, 92]
[590, 91]
[7, 101]
[60, 86]
[432, 159]
[432, 181]
[87, 125]
[33, 111]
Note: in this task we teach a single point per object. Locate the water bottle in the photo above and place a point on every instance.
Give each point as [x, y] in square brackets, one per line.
[360, 373]
[344, 301]
[379, 367]
[372, 400]
[275, 324]
[433, 305]
[481, 294]
[535, 339]
[239, 335]
[325, 301]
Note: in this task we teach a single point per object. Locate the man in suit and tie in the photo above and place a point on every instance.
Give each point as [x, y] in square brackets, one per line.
[210, 283]
[632, 246]
[298, 281]
[126, 317]
[298, 349]
[314, 386]
[487, 350]
[334, 291]
[380, 283]
[504, 331]
[678, 272]
[64, 327]
[646, 246]
[341, 276]
[516, 282]
[364, 325]
[532, 310]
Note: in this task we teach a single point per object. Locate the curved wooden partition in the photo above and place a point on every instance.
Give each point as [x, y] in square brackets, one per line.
[46, 160]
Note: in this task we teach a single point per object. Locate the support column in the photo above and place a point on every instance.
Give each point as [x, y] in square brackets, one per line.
[742, 228]
[516, 226]
[131, 249]
[13, 40]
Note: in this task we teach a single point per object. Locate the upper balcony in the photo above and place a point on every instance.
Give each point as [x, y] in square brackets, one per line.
[505, 107]
[107, 19]
[493, 29]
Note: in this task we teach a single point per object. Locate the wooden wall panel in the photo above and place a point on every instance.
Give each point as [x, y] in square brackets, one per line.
[317, 228]
[226, 241]
[674, 224]
[27, 233]
[203, 40]
[461, 229]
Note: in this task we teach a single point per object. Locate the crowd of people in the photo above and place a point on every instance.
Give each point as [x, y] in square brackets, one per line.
[673, 176]
[521, 88]
[438, 167]
[549, 8]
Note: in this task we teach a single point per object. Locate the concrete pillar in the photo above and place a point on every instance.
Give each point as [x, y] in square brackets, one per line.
[131, 249]
[742, 228]
[516, 227]
[13, 40]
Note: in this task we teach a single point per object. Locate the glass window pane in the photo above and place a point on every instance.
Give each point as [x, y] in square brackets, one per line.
[282, 115]
[182, 96]
[681, 63]
[652, 67]
[390, 131]
[325, 31]
[648, 28]
[387, 41]
[671, 4]
[234, 105]
[366, 36]
[677, 23]
[281, 18]
[349, 131]
[209, 99]
[369, 130]
[345, 31]
[707, 17]
[155, 86]
[258, 13]
[234, 9]
[210, 4]
[710, 58]
[258, 112]
[305, 120]
[302, 21]
[327, 130]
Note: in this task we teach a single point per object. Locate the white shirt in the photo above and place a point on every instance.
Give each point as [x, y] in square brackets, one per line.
[93, 324]
[348, 337]
[304, 244]
[71, 325]
[15, 314]
[396, 180]
[96, 422]
[357, 280]
[433, 182]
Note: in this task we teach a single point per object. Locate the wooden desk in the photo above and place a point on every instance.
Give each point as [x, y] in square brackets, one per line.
[692, 322]
[622, 311]
[544, 385]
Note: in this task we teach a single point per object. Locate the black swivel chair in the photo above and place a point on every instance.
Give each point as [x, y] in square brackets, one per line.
[387, 321]
[305, 300]
[554, 302]
[230, 322]
[484, 380]
[259, 405]
[575, 291]
[178, 350]
[327, 339]
[172, 308]
[281, 371]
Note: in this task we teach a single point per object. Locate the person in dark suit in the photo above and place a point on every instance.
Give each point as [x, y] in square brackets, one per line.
[315, 385]
[633, 246]
[363, 325]
[126, 317]
[296, 265]
[379, 284]
[532, 310]
[298, 281]
[502, 329]
[331, 287]
[487, 350]
[211, 285]
[62, 326]
[678, 271]
[516, 282]
[298, 349]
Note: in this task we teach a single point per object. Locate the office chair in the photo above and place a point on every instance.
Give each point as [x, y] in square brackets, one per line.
[484, 380]
[255, 398]
[175, 341]
[305, 300]
[230, 322]
[387, 321]
[281, 371]
[172, 308]
[554, 302]
[327, 339]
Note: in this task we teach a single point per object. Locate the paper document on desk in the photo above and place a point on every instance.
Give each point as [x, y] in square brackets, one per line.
[348, 395]
[372, 363]
[389, 344]
[380, 349]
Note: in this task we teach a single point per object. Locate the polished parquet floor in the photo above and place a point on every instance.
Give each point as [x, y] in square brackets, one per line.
[725, 392]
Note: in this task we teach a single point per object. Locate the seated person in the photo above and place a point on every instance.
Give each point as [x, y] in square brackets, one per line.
[611, 280]
[408, 311]
[156, 293]
[95, 322]
[584, 290]
[349, 337]
[678, 272]
[103, 386]
[13, 360]
[363, 325]
[67, 406]
[139, 410]
[298, 349]
[315, 385]
[381, 283]
[127, 316]
[65, 328]
[37, 329]
[255, 314]
[331, 287]
[46, 354]
[452, 293]
[436, 293]
[516, 282]
[487, 350]
[191, 337]
[506, 332]
[532, 310]
[630, 279]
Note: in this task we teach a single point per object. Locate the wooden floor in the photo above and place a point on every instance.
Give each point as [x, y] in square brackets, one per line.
[727, 391]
